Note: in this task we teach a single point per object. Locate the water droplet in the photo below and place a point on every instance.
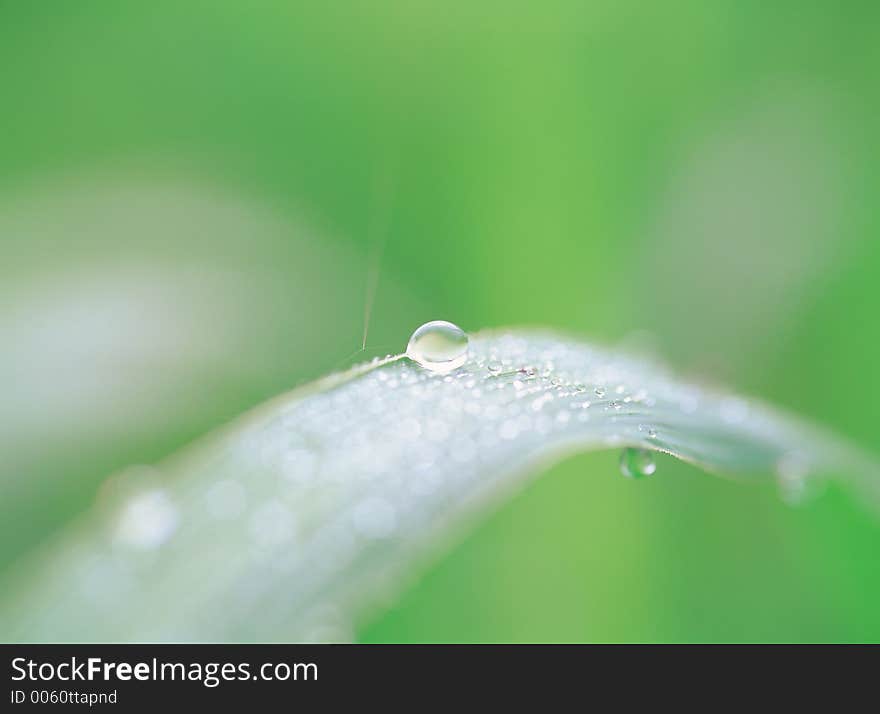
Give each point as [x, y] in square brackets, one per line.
[438, 346]
[147, 520]
[494, 367]
[648, 430]
[636, 463]
[600, 392]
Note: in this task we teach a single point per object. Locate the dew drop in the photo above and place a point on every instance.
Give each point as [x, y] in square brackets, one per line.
[438, 346]
[147, 520]
[494, 367]
[636, 463]
[600, 392]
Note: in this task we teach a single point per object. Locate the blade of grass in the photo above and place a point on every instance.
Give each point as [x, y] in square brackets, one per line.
[290, 522]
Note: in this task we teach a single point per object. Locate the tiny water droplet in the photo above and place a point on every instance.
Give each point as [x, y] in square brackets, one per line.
[649, 431]
[494, 367]
[614, 404]
[600, 392]
[438, 346]
[636, 463]
[529, 372]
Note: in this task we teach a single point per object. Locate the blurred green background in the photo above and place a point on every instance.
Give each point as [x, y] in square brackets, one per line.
[193, 197]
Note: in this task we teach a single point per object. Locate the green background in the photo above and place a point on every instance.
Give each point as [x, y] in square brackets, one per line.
[697, 177]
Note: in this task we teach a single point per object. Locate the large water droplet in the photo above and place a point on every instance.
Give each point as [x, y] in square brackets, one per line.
[636, 463]
[438, 346]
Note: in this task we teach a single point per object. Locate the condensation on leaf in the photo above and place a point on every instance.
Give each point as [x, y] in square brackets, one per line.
[287, 524]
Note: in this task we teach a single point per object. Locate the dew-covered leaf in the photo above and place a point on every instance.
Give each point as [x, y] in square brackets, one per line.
[290, 522]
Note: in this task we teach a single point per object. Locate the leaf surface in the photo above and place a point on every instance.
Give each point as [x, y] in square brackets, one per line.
[288, 523]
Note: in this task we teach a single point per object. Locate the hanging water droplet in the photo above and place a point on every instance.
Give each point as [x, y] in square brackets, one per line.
[438, 346]
[636, 463]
